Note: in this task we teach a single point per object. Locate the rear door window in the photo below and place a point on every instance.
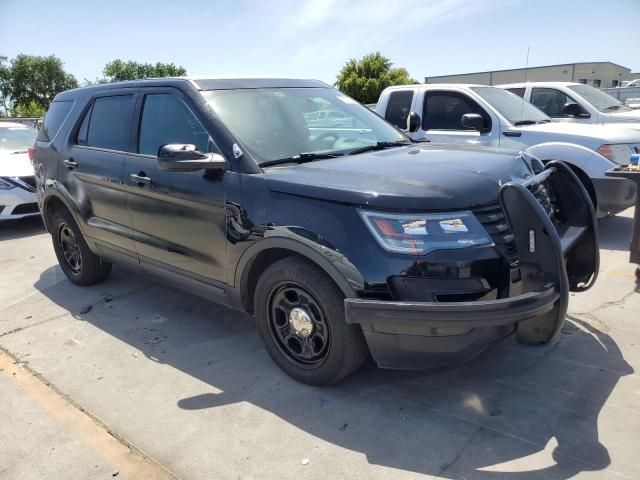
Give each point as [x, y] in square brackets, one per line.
[106, 124]
[399, 107]
[518, 91]
[53, 120]
[444, 111]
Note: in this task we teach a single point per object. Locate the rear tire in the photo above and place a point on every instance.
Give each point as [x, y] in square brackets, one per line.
[300, 316]
[78, 262]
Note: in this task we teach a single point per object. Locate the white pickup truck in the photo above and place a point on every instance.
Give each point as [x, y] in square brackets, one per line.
[480, 115]
[575, 102]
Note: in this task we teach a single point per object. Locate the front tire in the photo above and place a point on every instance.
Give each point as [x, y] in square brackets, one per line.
[300, 316]
[77, 261]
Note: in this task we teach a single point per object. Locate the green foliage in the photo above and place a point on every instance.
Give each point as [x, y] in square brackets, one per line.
[118, 70]
[31, 80]
[365, 79]
[31, 109]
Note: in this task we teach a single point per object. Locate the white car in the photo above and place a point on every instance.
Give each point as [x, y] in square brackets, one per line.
[17, 183]
[576, 102]
[479, 115]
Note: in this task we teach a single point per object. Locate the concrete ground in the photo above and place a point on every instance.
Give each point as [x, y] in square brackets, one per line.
[134, 379]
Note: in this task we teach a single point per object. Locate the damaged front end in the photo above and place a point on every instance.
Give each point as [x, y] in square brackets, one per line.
[550, 242]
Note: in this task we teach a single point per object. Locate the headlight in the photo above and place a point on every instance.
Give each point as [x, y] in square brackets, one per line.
[6, 185]
[419, 234]
[618, 153]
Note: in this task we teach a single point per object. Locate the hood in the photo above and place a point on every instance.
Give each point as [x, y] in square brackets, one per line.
[584, 134]
[625, 116]
[405, 178]
[15, 164]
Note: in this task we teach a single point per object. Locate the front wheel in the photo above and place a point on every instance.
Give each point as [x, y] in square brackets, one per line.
[300, 316]
[77, 261]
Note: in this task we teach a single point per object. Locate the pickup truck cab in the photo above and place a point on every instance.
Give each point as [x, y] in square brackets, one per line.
[340, 241]
[489, 116]
[576, 103]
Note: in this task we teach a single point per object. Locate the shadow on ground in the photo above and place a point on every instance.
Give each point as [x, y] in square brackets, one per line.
[21, 228]
[615, 232]
[477, 421]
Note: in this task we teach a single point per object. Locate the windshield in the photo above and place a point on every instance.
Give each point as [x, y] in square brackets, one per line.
[16, 137]
[600, 100]
[280, 123]
[511, 106]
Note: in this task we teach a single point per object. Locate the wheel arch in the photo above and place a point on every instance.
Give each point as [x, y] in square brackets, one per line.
[262, 254]
[51, 203]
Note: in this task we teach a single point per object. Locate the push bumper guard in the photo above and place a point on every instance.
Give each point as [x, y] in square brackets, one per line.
[554, 260]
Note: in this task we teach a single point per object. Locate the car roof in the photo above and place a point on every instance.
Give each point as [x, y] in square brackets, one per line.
[548, 84]
[418, 86]
[208, 82]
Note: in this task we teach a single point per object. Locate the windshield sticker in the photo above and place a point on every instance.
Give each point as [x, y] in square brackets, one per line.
[454, 225]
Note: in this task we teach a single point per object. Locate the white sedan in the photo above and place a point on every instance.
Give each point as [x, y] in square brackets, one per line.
[17, 183]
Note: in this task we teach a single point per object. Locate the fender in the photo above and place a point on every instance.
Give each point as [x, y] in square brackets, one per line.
[334, 263]
[592, 163]
[54, 191]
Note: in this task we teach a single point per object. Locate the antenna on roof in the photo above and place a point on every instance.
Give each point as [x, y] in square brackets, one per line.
[526, 69]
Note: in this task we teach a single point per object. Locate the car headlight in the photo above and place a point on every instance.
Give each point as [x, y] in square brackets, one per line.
[419, 234]
[618, 153]
[6, 185]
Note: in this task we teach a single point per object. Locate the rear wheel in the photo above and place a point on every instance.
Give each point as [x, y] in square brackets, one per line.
[77, 261]
[300, 316]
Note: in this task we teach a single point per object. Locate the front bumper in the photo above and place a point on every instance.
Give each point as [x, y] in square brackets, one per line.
[17, 203]
[554, 259]
[614, 195]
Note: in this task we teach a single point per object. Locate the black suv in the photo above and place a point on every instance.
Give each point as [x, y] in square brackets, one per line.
[291, 201]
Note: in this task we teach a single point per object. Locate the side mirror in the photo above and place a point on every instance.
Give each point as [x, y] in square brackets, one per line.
[572, 109]
[413, 122]
[473, 121]
[178, 157]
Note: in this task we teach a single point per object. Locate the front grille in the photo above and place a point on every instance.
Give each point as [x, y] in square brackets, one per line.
[494, 221]
[25, 208]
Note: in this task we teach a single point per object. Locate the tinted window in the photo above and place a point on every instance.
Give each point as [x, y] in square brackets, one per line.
[56, 114]
[517, 91]
[165, 119]
[398, 108]
[550, 101]
[109, 122]
[510, 106]
[444, 110]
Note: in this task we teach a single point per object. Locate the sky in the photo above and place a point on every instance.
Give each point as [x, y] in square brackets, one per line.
[314, 38]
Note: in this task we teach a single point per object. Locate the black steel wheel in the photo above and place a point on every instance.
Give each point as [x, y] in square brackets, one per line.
[298, 324]
[78, 262]
[300, 316]
[70, 249]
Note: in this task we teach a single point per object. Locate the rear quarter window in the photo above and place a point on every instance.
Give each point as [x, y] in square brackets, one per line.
[53, 120]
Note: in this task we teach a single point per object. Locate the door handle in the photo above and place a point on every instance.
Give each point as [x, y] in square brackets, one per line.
[140, 179]
[70, 163]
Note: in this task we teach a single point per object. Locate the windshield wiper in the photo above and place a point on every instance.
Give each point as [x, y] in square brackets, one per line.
[301, 158]
[613, 107]
[525, 122]
[378, 146]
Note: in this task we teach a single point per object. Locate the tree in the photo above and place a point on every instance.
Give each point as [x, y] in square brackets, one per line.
[365, 79]
[120, 70]
[34, 80]
[31, 109]
[5, 75]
